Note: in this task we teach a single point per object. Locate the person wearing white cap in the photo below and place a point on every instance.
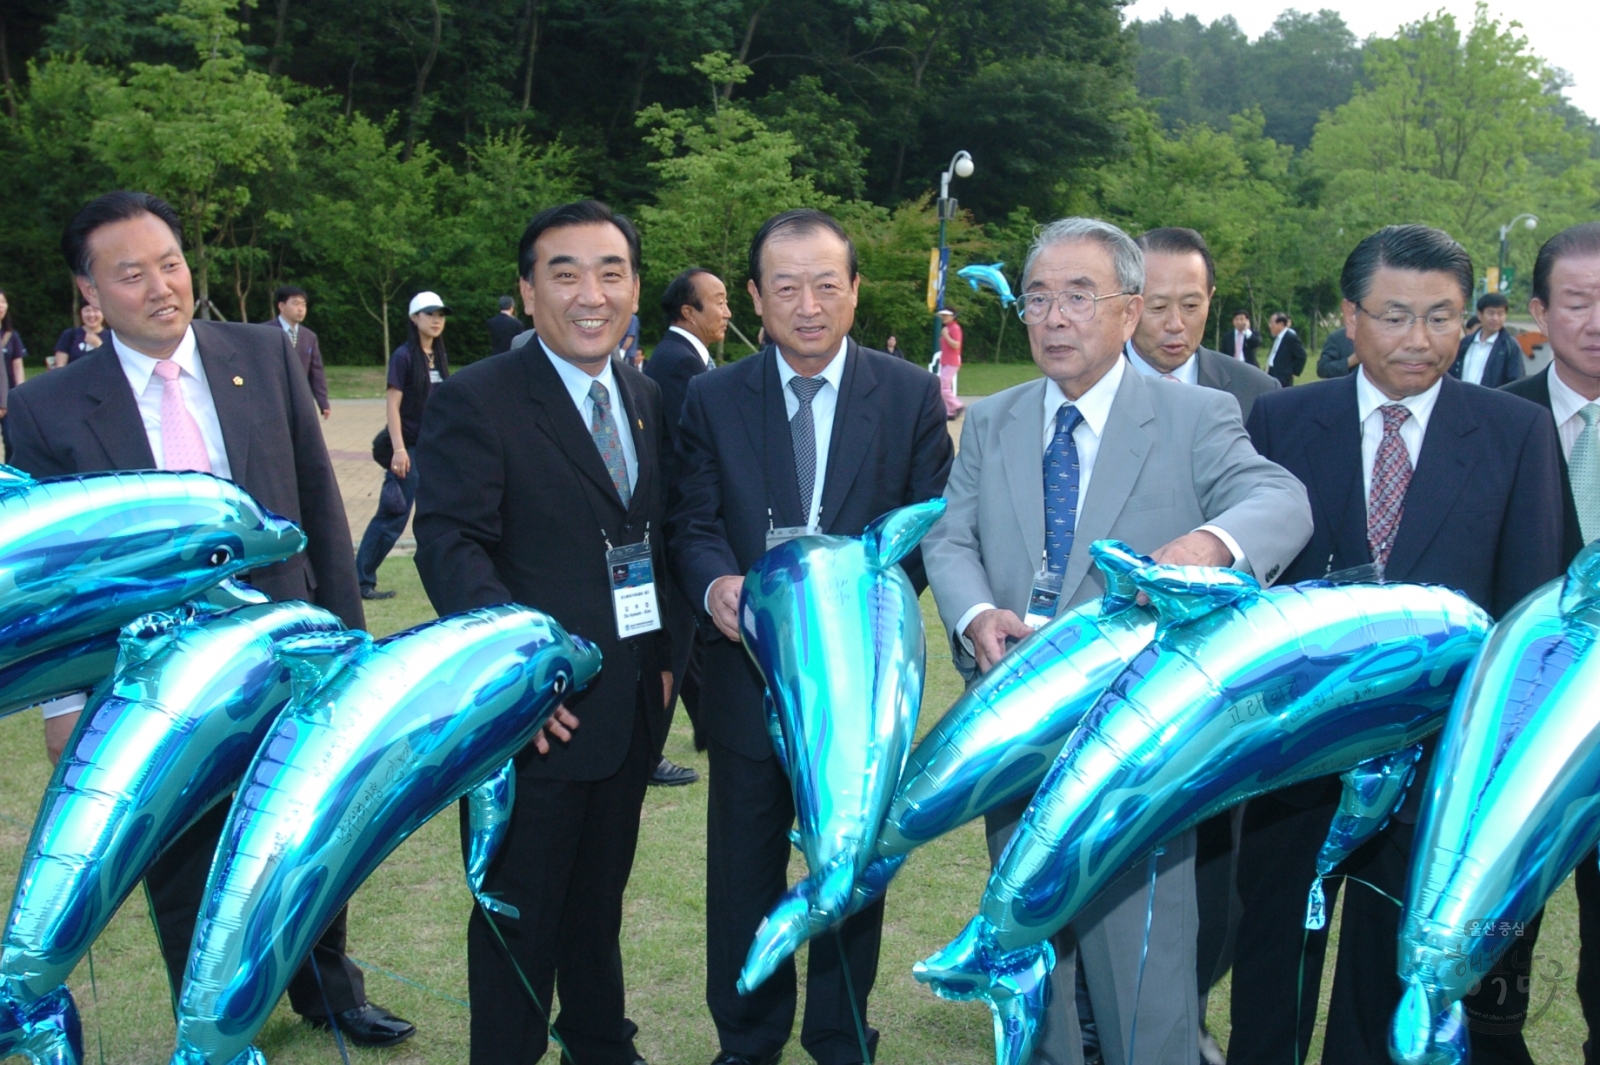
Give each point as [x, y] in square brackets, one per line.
[414, 369]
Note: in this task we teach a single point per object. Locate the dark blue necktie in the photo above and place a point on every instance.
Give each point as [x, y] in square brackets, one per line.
[1061, 489]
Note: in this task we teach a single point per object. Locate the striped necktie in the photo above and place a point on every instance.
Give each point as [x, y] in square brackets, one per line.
[803, 434]
[1583, 467]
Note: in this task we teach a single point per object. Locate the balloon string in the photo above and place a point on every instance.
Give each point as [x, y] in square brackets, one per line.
[1144, 950]
[327, 1007]
[1305, 942]
[850, 990]
[94, 990]
[150, 904]
[399, 979]
[549, 1027]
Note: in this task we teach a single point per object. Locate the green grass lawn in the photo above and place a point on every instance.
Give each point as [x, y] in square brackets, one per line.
[409, 920]
[356, 382]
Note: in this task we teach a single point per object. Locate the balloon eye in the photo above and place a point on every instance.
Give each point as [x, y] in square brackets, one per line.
[560, 685]
[221, 557]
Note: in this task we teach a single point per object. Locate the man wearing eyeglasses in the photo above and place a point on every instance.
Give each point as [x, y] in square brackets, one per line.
[1423, 479]
[1095, 450]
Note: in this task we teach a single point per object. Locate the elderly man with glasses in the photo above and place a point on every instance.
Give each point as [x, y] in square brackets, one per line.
[1088, 451]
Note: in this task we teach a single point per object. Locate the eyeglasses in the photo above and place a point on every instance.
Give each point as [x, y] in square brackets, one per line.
[1076, 305]
[1398, 323]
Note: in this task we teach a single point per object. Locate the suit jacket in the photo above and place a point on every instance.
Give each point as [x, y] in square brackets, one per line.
[503, 330]
[1224, 373]
[1336, 352]
[890, 447]
[1291, 359]
[84, 418]
[514, 504]
[1537, 389]
[1170, 460]
[672, 365]
[1251, 344]
[310, 353]
[1503, 365]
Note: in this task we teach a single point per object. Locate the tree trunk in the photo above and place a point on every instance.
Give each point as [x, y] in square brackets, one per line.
[422, 80]
[744, 48]
[350, 83]
[277, 39]
[383, 304]
[5, 70]
[533, 50]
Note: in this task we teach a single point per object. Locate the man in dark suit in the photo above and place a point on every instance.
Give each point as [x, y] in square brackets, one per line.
[1435, 482]
[1288, 355]
[290, 300]
[815, 432]
[1241, 342]
[535, 464]
[695, 304]
[504, 327]
[1489, 357]
[245, 413]
[1338, 355]
[1566, 304]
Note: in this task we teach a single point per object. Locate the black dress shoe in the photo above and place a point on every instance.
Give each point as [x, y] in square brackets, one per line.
[373, 593]
[740, 1059]
[668, 775]
[369, 1026]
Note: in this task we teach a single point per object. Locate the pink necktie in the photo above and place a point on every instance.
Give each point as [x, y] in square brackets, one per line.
[182, 446]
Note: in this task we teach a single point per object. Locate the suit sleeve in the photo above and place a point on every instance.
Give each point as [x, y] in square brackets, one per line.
[319, 380]
[1512, 360]
[29, 452]
[460, 486]
[1529, 552]
[1332, 362]
[699, 548]
[1257, 502]
[953, 549]
[931, 457]
[328, 544]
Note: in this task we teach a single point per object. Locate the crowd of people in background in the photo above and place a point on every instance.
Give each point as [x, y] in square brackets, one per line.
[529, 469]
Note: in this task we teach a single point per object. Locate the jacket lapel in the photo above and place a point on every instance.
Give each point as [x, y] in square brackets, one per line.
[855, 419]
[1334, 457]
[223, 366]
[1123, 449]
[559, 419]
[115, 419]
[1443, 471]
[1206, 371]
[1022, 458]
[633, 407]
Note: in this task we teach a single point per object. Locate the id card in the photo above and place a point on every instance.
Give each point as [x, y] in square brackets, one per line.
[633, 590]
[1042, 599]
[786, 533]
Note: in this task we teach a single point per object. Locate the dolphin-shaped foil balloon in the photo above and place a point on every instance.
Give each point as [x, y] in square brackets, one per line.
[1512, 805]
[991, 748]
[834, 626]
[168, 738]
[991, 277]
[382, 736]
[1242, 692]
[83, 556]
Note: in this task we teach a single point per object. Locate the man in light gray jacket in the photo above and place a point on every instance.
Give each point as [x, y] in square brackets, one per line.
[1093, 451]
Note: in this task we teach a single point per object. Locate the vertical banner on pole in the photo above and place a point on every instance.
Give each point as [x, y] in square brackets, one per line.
[937, 259]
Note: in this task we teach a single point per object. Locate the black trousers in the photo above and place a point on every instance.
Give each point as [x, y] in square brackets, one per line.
[1277, 862]
[689, 688]
[747, 861]
[1216, 866]
[564, 864]
[177, 886]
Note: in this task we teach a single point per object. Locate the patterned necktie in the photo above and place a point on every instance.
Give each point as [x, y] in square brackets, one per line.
[182, 446]
[604, 431]
[803, 433]
[294, 337]
[1061, 489]
[1391, 476]
[1583, 466]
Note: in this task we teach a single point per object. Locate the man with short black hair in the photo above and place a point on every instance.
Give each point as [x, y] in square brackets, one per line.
[1241, 342]
[290, 301]
[1489, 357]
[1288, 355]
[1426, 480]
[503, 326]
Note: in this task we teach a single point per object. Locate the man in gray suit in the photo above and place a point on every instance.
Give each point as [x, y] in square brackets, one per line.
[1179, 283]
[1168, 470]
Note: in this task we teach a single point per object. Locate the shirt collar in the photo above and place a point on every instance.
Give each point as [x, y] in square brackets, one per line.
[1094, 405]
[832, 373]
[1369, 399]
[705, 354]
[1187, 371]
[1564, 402]
[138, 366]
[578, 380]
[1481, 338]
[286, 326]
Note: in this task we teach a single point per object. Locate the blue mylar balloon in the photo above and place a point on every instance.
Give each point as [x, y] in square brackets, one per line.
[834, 626]
[989, 276]
[1242, 692]
[1370, 794]
[81, 557]
[1512, 805]
[380, 737]
[168, 738]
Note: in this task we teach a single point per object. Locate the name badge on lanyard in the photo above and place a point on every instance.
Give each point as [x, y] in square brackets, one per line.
[785, 533]
[633, 589]
[1043, 597]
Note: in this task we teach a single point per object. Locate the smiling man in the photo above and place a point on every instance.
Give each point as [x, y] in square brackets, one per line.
[542, 477]
[1094, 450]
[1432, 481]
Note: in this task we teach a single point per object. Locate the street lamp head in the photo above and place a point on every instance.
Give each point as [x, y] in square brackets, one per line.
[1532, 222]
[964, 167]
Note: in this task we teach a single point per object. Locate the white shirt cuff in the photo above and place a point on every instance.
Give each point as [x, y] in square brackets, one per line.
[1239, 561]
[966, 619]
[67, 704]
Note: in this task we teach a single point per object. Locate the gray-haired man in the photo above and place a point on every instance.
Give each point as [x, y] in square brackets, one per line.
[1093, 450]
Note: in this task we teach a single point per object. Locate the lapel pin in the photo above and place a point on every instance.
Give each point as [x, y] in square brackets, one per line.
[239, 381]
[640, 423]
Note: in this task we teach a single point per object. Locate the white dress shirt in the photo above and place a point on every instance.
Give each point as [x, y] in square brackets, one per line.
[1565, 405]
[292, 330]
[822, 408]
[1412, 430]
[694, 341]
[578, 381]
[1188, 373]
[140, 369]
[1277, 342]
[1477, 357]
[1238, 343]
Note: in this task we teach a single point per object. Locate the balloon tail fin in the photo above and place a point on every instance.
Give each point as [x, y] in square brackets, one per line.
[1117, 563]
[48, 1032]
[1422, 1036]
[1581, 589]
[1316, 907]
[489, 814]
[1370, 795]
[1016, 985]
[809, 909]
[893, 536]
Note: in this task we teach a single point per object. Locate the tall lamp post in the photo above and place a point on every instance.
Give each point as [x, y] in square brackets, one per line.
[960, 166]
[1505, 237]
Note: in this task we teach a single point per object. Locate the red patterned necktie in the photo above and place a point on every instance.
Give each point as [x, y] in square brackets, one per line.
[1391, 476]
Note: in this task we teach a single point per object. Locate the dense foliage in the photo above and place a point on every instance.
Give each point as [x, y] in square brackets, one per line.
[370, 148]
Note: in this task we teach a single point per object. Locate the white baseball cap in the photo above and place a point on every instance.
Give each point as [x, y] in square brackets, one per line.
[427, 301]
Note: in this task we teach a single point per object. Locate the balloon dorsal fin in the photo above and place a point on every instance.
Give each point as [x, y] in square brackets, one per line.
[892, 537]
[12, 478]
[1581, 589]
[142, 637]
[314, 659]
